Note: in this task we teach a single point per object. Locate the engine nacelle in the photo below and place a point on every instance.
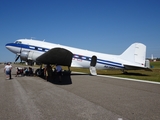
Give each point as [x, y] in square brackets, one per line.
[24, 55]
[29, 55]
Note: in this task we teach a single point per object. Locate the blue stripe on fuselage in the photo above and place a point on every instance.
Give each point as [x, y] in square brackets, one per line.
[29, 47]
[100, 61]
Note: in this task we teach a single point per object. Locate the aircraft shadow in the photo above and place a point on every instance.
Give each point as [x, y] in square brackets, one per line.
[63, 79]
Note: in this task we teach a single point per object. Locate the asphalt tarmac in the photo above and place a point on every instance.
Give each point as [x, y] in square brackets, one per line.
[77, 97]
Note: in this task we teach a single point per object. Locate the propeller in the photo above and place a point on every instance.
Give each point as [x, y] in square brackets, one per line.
[18, 55]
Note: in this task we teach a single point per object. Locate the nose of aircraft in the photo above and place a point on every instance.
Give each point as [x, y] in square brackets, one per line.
[8, 46]
[12, 48]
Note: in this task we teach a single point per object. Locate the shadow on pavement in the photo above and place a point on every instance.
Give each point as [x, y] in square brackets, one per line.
[63, 79]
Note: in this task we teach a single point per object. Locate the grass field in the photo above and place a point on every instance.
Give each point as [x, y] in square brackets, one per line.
[153, 75]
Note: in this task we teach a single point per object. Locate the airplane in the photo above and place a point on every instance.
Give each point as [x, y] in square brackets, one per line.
[29, 50]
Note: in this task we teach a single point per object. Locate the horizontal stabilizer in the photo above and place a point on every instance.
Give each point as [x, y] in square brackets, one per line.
[129, 67]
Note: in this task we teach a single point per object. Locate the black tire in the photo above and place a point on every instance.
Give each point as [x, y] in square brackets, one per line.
[39, 72]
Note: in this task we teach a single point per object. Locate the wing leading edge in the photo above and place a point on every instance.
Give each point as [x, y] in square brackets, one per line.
[59, 56]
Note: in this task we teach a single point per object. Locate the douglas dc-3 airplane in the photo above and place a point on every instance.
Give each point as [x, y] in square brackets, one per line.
[30, 50]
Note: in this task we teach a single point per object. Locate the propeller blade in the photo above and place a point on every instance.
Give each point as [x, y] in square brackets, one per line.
[17, 58]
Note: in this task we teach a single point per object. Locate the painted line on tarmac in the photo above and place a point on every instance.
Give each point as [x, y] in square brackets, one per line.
[129, 79]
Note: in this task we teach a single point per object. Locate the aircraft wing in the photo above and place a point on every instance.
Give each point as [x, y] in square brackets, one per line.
[58, 56]
[129, 67]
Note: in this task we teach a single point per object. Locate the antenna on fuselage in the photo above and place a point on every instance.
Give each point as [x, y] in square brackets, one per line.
[32, 38]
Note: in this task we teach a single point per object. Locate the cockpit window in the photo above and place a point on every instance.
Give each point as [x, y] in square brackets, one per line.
[18, 42]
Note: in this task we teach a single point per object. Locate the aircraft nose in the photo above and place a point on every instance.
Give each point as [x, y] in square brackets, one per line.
[12, 48]
[9, 46]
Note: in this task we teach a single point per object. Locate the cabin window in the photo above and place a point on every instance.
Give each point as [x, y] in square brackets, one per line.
[31, 47]
[40, 49]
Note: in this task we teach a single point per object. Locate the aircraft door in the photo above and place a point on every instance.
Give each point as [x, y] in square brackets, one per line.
[93, 61]
[92, 65]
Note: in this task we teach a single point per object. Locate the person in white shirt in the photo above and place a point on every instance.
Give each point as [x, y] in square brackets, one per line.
[7, 70]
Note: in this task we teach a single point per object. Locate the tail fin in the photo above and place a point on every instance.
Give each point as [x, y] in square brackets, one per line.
[136, 54]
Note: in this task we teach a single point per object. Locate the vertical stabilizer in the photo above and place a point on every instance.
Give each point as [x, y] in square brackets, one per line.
[136, 54]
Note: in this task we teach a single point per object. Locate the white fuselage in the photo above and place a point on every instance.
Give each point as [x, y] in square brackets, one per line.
[81, 58]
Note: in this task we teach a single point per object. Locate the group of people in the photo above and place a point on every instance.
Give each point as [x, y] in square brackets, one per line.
[24, 72]
[48, 71]
[20, 71]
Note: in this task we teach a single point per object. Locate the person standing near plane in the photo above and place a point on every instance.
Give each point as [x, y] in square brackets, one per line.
[7, 70]
[10, 74]
[59, 71]
[48, 72]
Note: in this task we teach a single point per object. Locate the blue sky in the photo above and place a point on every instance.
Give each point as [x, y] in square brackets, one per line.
[107, 26]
